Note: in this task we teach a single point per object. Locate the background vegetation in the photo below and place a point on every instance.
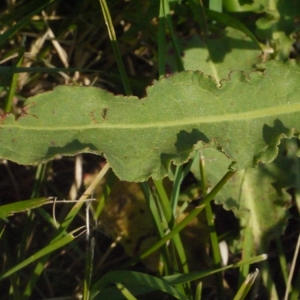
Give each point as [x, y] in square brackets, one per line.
[122, 47]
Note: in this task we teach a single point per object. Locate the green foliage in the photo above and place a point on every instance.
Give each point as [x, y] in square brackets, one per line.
[138, 282]
[141, 283]
[245, 119]
[10, 209]
[47, 250]
[257, 196]
[246, 286]
[216, 57]
[229, 108]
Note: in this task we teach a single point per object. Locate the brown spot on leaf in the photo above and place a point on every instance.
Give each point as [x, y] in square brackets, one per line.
[26, 115]
[93, 118]
[24, 110]
[3, 117]
[104, 113]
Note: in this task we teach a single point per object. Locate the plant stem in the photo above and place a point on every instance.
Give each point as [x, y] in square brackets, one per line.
[14, 81]
[116, 50]
[167, 16]
[212, 229]
[161, 40]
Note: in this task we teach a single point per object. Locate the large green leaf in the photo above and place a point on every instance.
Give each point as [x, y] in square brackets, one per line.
[279, 25]
[257, 196]
[245, 118]
[215, 56]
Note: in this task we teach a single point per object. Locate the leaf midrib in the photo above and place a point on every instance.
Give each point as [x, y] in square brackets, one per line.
[244, 116]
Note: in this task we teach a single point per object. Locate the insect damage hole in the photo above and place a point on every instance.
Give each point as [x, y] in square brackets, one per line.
[93, 118]
[104, 113]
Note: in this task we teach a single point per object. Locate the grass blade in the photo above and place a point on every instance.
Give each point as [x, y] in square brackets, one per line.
[192, 215]
[234, 23]
[165, 202]
[246, 252]
[213, 232]
[116, 50]
[246, 286]
[7, 35]
[14, 81]
[159, 223]
[20, 206]
[125, 292]
[46, 250]
[161, 40]
[129, 278]
[186, 220]
[62, 229]
[180, 278]
[292, 270]
[167, 16]
[215, 5]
